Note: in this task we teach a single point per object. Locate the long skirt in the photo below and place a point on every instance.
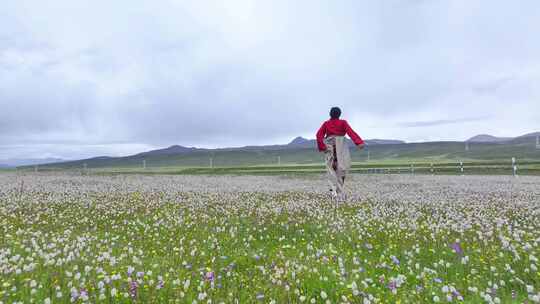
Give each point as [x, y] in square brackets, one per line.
[338, 162]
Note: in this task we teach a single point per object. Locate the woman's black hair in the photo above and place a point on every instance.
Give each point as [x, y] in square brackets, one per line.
[335, 112]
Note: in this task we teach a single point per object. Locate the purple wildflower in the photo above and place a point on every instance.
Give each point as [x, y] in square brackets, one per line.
[133, 286]
[457, 248]
[438, 280]
[160, 284]
[83, 294]
[209, 276]
[395, 260]
[74, 295]
[140, 274]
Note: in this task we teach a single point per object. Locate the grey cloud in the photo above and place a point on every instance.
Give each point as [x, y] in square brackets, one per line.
[492, 86]
[81, 77]
[432, 123]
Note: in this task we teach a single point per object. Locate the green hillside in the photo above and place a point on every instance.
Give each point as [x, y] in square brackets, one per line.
[437, 152]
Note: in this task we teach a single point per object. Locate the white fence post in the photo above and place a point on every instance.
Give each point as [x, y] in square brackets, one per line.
[279, 160]
[514, 166]
[144, 164]
[461, 167]
[432, 169]
[211, 162]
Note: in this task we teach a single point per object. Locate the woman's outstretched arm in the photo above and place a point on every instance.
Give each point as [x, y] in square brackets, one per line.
[354, 136]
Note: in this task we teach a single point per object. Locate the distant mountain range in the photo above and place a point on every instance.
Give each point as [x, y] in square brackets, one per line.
[176, 149]
[300, 142]
[16, 162]
[297, 143]
[301, 150]
[486, 138]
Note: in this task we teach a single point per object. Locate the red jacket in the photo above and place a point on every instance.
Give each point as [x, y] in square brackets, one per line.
[338, 127]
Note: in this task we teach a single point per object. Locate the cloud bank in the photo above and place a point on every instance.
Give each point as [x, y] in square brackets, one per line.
[86, 78]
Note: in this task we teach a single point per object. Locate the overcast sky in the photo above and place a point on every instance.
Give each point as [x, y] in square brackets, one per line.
[86, 78]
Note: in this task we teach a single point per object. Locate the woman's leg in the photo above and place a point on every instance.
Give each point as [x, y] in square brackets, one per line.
[332, 173]
[340, 174]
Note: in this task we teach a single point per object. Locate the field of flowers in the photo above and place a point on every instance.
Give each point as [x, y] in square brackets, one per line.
[268, 239]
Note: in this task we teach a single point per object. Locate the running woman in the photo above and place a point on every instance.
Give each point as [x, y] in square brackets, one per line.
[331, 141]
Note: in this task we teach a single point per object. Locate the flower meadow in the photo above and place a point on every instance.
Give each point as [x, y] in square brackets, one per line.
[67, 238]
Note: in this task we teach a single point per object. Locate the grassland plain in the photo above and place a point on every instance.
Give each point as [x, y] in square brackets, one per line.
[268, 239]
[406, 166]
[437, 152]
[470, 167]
